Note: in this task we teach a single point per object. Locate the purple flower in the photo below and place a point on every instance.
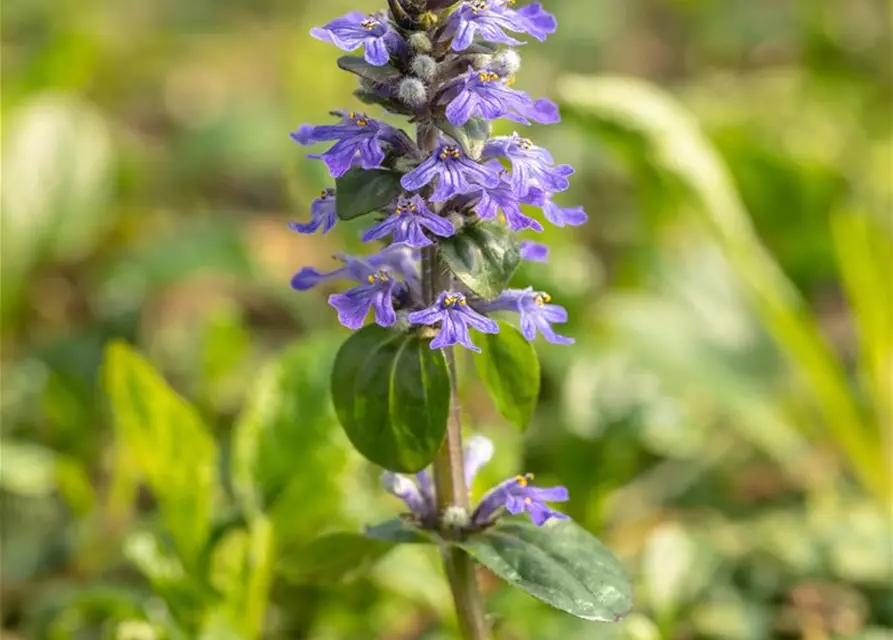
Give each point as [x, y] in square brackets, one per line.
[377, 293]
[534, 310]
[410, 216]
[456, 174]
[560, 216]
[485, 95]
[531, 165]
[358, 141]
[455, 316]
[398, 259]
[517, 495]
[503, 199]
[534, 251]
[488, 20]
[322, 214]
[355, 29]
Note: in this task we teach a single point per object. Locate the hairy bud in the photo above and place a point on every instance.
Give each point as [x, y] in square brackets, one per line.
[506, 63]
[480, 60]
[412, 92]
[420, 42]
[456, 517]
[424, 67]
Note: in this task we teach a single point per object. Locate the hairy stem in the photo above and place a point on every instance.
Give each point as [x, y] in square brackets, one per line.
[449, 477]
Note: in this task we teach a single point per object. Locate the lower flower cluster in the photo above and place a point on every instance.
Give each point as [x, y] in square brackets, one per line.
[513, 496]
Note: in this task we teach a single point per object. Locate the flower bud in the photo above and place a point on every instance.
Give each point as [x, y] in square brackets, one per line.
[506, 63]
[456, 517]
[412, 92]
[424, 67]
[420, 42]
[479, 60]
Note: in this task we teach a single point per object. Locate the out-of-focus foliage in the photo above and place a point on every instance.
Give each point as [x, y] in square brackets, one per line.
[723, 422]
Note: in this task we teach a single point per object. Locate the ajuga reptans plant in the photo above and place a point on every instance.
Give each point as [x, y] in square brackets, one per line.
[446, 202]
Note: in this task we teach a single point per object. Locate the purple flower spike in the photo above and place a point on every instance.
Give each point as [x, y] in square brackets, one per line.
[517, 495]
[534, 251]
[485, 95]
[407, 223]
[455, 172]
[455, 316]
[535, 311]
[359, 140]
[377, 293]
[531, 165]
[322, 214]
[354, 30]
[505, 200]
[561, 216]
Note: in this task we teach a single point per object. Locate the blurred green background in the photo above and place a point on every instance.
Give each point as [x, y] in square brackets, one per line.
[723, 422]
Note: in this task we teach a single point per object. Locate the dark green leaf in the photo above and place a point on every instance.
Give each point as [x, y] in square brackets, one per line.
[385, 74]
[398, 530]
[331, 558]
[472, 136]
[483, 256]
[371, 97]
[510, 370]
[361, 191]
[559, 563]
[391, 393]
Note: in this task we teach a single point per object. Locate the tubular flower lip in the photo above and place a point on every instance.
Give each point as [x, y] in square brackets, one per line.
[486, 95]
[561, 216]
[359, 141]
[455, 317]
[531, 165]
[455, 172]
[516, 495]
[503, 199]
[535, 311]
[488, 20]
[354, 30]
[407, 222]
[534, 251]
[322, 214]
[376, 293]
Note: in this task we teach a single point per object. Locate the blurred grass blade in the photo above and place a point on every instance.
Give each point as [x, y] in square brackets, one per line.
[175, 454]
[678, 146]
[865, 257]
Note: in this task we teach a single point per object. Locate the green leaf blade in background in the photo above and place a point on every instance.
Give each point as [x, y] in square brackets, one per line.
[173, 449]
[398, 530]
[287, 413]
[559, 563]
[362, 191]
[510, 369]
[391, 395]
[331, 558]
[483, 256]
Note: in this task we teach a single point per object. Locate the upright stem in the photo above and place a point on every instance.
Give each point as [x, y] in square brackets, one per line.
[449, 477]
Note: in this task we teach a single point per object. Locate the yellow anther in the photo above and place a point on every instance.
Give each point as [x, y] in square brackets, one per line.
[412, 207]
[352, 115]
[509, 82]
[528, 500]
[525, 144]
[323, 194]
[547, 297]
[362, 122]
[370, 279]
[462, 302]
[369, 23]
[521, 480]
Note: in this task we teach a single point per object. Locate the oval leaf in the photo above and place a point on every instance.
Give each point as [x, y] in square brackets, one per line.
[391, 393]
[331, 558]
[483, 256]
[472, 136]
[560, 563]
[361, 191]
[510, 370]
